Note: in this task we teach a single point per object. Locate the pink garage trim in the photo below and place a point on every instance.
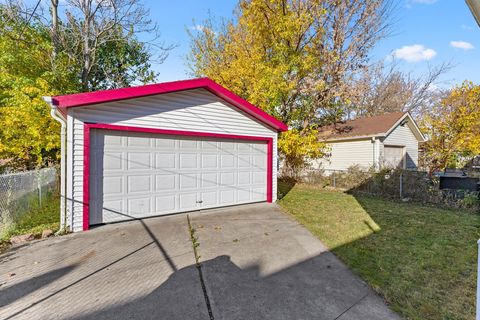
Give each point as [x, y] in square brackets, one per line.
[86, 176]
[86, 155]
[89, 98]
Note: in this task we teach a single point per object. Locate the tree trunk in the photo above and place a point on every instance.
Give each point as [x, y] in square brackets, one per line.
[87, 58]
[54, 30]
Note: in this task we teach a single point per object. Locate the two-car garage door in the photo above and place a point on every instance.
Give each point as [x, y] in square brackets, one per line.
[137, 175]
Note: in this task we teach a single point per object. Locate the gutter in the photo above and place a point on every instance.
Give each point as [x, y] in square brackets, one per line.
[371, 136]
[376, 153]
[63, 199]
[474, 6]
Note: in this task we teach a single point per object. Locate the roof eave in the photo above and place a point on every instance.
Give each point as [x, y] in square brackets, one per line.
[418, 134]
[407, 114]
[104, 96]
[474, 6]
[376, 135]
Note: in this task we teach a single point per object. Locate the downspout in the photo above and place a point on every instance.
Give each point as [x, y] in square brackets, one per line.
[63, 159]
[376, 153]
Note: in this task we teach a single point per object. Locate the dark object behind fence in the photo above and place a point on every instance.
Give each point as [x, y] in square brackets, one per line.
[405, 185]
[460, 183]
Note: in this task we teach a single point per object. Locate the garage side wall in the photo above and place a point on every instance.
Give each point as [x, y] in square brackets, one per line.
[193, 110]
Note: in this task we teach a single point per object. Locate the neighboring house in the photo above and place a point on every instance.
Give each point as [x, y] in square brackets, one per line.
[162, 149]
[388, 140]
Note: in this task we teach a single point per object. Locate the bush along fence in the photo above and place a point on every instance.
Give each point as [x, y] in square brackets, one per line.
[24, 192]
[405, 185]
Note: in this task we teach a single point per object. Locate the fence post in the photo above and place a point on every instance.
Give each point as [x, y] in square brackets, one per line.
[401, 185]
[478, 282]
[334, 182]
[39, 188]
[7, 214]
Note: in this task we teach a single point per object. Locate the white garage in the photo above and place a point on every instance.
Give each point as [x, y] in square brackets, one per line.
[163, 149]
[146, 174]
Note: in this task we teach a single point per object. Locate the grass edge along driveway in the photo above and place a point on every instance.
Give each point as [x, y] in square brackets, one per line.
[33, 220]
[421, 259]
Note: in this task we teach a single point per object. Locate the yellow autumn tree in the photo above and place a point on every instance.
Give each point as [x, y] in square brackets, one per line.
[292, 58]
[266, 57]
[298, 147]
[29, 137]
[30, 67]
[453, 128]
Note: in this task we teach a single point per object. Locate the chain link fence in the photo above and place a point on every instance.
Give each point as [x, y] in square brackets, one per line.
[405, 185]
[20, 192]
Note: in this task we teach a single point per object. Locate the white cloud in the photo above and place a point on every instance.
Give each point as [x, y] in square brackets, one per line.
[197, 27]
[423, 1]
[462, 45]
[410, 3]
[466, 27]
[414, 53]
[200, 28]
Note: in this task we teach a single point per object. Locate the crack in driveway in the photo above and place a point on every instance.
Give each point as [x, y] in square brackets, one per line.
[198, 264]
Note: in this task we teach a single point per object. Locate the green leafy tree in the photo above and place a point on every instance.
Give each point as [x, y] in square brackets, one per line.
[120, 64]
[28, 135]
[87, 47]
[102, 37]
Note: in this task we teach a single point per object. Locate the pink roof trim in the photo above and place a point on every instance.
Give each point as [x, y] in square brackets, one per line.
[88, 98]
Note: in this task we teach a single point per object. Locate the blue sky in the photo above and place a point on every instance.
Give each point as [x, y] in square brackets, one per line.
[426, 33]
[173, 19]
[423, 33]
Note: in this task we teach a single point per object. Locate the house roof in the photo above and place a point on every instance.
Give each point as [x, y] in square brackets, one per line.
[376, 126]
[98, 97]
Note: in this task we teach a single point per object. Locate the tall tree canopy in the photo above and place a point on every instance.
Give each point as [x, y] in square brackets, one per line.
[28, 135]
[267, 56]
[293, 58]
[383, 88]
[453, 128]
[102, 36]
[89, 45]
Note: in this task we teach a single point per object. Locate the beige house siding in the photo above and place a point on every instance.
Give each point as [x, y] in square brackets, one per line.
[344, 154]
[368, 152]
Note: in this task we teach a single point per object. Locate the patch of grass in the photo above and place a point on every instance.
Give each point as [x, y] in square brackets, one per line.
[34, 220]
[284, 186]
[421, 259]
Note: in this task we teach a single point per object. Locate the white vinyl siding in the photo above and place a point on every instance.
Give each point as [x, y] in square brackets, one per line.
[191, 110]
[403, 136]
[345, 154]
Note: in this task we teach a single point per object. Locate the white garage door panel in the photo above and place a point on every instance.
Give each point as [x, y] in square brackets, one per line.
[136, 175]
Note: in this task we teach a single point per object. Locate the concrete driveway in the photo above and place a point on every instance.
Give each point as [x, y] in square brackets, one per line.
[256, 263]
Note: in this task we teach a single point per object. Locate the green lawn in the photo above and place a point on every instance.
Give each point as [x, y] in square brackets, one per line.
[34, 220]
[421, 259]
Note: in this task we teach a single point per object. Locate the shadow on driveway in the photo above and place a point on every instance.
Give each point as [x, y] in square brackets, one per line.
[256, 263]
[312, 289]
[11, 294]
